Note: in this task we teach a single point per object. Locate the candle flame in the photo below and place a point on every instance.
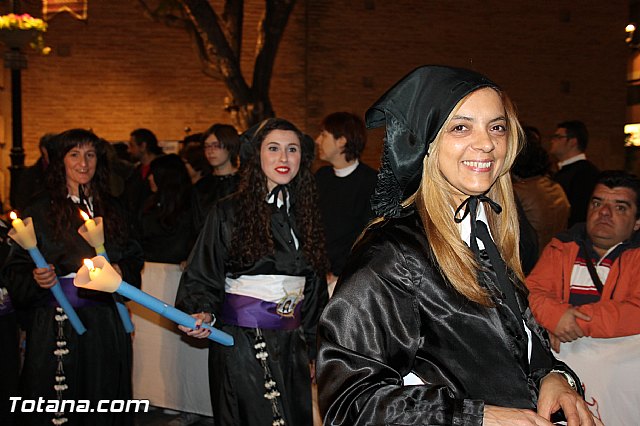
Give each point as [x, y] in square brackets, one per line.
[84, 215]
[88, 263]
[13, 215]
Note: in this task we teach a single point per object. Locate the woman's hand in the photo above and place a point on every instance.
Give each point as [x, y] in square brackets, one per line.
[45, 277]
[502, 416]
[198, 332]
[556, 394]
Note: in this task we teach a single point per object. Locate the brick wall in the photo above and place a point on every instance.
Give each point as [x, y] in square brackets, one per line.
[119, 70]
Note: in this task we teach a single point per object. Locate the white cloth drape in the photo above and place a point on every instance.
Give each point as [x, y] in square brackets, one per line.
[169, 368]
[609, 370]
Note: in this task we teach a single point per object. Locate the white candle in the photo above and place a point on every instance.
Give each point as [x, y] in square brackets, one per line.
[17, 223]
[94, 272]
[88, 222]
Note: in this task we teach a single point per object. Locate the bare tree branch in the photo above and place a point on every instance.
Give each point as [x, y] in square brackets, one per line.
[163, 13]
[207, 25]
[218, 42]
[271, 30]
[233, 16]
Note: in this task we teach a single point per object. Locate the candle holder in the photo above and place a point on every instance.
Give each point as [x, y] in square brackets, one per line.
[103, 277]
[26, 238]
[93, 233]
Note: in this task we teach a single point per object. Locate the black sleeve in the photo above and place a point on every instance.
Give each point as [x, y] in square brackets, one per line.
[202, 283]
[369, 335]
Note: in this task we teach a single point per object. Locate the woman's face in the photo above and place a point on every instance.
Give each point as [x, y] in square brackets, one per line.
[474, 144]
[80, 166]
[217, 156]
[280, 155]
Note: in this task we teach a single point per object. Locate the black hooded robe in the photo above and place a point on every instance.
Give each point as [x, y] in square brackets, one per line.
[98, 365]
[236, 378]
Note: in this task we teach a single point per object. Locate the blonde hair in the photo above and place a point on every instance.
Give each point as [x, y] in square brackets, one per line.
[454, 258]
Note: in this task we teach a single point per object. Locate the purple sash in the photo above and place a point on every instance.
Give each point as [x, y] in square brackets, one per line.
[249, 312]
[71, 292]
[6, 307]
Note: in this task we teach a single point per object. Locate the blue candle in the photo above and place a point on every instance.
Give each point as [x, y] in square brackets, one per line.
[98, 274]
[171, 313]
[59, 295]
[123, 312]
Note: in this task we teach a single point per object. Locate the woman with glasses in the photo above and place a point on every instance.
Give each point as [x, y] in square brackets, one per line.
[221, 145]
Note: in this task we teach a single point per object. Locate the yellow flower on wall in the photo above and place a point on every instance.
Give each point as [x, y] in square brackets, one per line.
[11, 25]
[22, 22]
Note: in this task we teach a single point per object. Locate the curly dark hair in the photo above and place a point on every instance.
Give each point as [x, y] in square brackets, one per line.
[173, 196]
[63, 213]
[252, 237]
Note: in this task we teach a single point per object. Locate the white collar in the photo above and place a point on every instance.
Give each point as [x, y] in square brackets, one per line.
[271, 199]
[465, 226]
[89, 204]
[571, 160]
[346, 171]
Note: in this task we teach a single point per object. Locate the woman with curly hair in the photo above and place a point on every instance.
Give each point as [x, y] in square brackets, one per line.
[60, 364]
[257, 271]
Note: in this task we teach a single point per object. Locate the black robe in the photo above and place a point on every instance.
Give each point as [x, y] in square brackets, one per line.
[393, 313]
[207, 191]
[166, 244]
[236, 377]
[98, 365]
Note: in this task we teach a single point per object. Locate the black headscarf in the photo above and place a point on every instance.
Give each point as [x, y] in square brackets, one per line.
[414, 110]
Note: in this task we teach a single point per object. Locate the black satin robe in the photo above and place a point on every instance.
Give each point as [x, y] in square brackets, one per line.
[236, 378]
[207, 191]
[393, 313]
[98, 365]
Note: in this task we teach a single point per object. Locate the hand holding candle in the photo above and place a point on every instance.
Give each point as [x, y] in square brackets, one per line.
[24, 234]
[98, 274]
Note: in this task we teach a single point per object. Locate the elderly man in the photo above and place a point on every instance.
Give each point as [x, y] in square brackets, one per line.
[585, 292]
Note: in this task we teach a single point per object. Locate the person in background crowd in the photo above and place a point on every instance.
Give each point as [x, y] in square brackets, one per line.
[258, 268]
[167, 231]
[429, 321]
[195, 161]
[122, 151]
[585, 292]
[59, 364]
[221, 146]
[543, 200]
[344, 187]
[31, 181]
[143, 148]
[575, 174]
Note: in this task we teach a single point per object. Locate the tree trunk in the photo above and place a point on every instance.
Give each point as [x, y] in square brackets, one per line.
[247, 114]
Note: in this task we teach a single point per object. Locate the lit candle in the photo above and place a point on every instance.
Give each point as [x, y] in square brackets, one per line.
[105, 278]
[94, 272]
[17, 222]
[88, 222]
[24, 234]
